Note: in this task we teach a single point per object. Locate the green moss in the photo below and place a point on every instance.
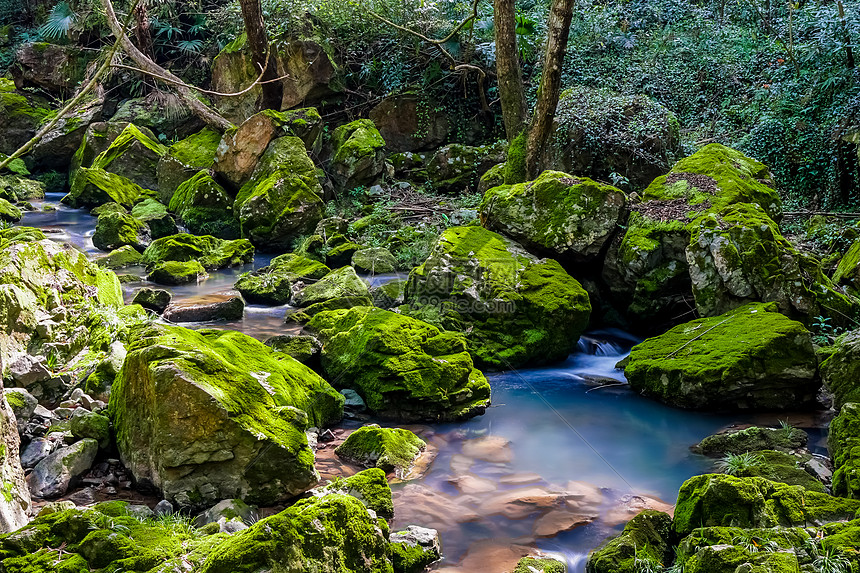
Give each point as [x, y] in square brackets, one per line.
[16, 400]
[386, 448]
[402, 367]
[369, 486]
[515, 166]
[210, 252]
[841, 370]
[783, 468]
[9, 212]
[750, 357]
[340, 283]
[176, 272]
[645, 537]
[115, 230]
[532, 565]
[130, 135]
[356, 139]
[844, 445]
[205, 207]
[753, 439]
[197, 150]
[94, 187]
[272, 284]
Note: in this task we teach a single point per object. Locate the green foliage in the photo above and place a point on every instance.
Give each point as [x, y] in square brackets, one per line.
[59, 23]
[734, 464]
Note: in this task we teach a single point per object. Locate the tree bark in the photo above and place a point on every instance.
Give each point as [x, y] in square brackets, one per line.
[511, 90]
[258, 42]
[200, 109]
[558, 32]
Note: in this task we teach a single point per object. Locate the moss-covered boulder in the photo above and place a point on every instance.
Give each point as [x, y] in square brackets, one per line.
[716, 499]
[212, 253]
[15, 187]
[751, 357]
[21, 113]
[414, 549]
[847, 273]
[403, 368]
[154, 214]
[727, 548]
[564, 216]
[154, 299]
[374, 260]
[737, 254]
[184, 159]
[228, 419]
[57, 147]
[457, 168]
[647, 267]
[340, 283]
[176, 272]
[149, 112]
[358, 154]
[97, 138]
[55, 69]
[304, 348]
[94, 186]
[754, 438]
[841, 370]
[205, 208]
[9, 213]
[843, 442]
[539, 565]
[601, 132]
[389, 449]
[515, 308]
[240, 150]
[282, 199]
[646, 537]
[115, 230]
[779, 467]
[273, 283]
[389, 294]
[122, 257]
[133, 155]
[369, 486]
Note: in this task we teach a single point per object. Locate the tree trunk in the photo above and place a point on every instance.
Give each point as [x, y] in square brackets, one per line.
[200, 109]
[511, 91]
[258, 41]
[142, 33]
[558, 31]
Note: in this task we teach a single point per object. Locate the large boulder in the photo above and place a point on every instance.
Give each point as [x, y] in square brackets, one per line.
[410, 122]
[53, 476]
[184, 159]
[212, 253]
[754, 438]
[737, 255]
[93, 187]
[340, 283]
[843, 441]
[57, 147]
[841, 370]
[600, 133]
[154, 215]
[273, 283]
[176, 272]
[403, 368]
[228, 418]
[241, 149]
[133, 155]
[282, 200]
[457, 168]
[374, 260]
[751, 357]
[162, 112]
[564, 216]
[646, 537]
[414, 548]
[847, 273]
[716, 499]
[308, 70]
[204, 207]
[52, 68]
[97, 138]
[15, 503]
[515, 308]
[20, 115]
[115, 230]
[358, 154]
[388, 449]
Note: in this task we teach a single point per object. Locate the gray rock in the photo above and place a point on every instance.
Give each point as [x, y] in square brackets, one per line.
[28, 370]
[22, 403]
[231, 309]
[36, 451]
[53, 476]
[56, 507]
[141, 511]
[228, 510]
[163, 507]
[86, 424]
[154, 299]
[403, 544]
[353, 402]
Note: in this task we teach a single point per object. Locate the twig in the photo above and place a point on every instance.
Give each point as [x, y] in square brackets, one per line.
[679, 349]
[602, 386]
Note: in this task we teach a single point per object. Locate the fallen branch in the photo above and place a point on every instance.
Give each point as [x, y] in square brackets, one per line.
[257, 82]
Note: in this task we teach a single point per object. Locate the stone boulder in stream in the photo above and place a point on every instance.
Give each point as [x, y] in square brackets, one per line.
[115, 230]
[750, 358]
[403, 368]
[567, 217]
[210, 415]
[210, 252]
[185, 159]
[513, 307]
[385, 448]
[273, 283]
[204, 207]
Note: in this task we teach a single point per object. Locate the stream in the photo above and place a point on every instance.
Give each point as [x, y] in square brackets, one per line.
[564, 457]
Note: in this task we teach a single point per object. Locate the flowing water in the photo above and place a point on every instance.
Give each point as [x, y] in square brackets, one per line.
[566, 454]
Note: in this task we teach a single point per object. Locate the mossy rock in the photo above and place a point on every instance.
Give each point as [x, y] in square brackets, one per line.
[304, 348]
[514, 308]
[357, 154]
[730, 558]
[340, 253]
[539, 565]
[14, 188]
[390, 294]
[388, 449]
[273, 283]
[783, 468]
[645, 537]
[122, 257]
[210, 252]
[176, 272]
[456, 168]
[86, 424]
[184, 159]
[340, 283]
[749, 540]
[9, 213]
[403, 368]
[722, 500]
[841, 370]
[847, 273]
[753, 439]
[133, 155]
[843, 442]
[282, 200]
[752, 357]
[156, 217]
[216, 416]
[374, 260]
[115, 230]
[414, 549]
[21, 113]
[205, 208]
[369, 486]
[563, 216]
[94, 186]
